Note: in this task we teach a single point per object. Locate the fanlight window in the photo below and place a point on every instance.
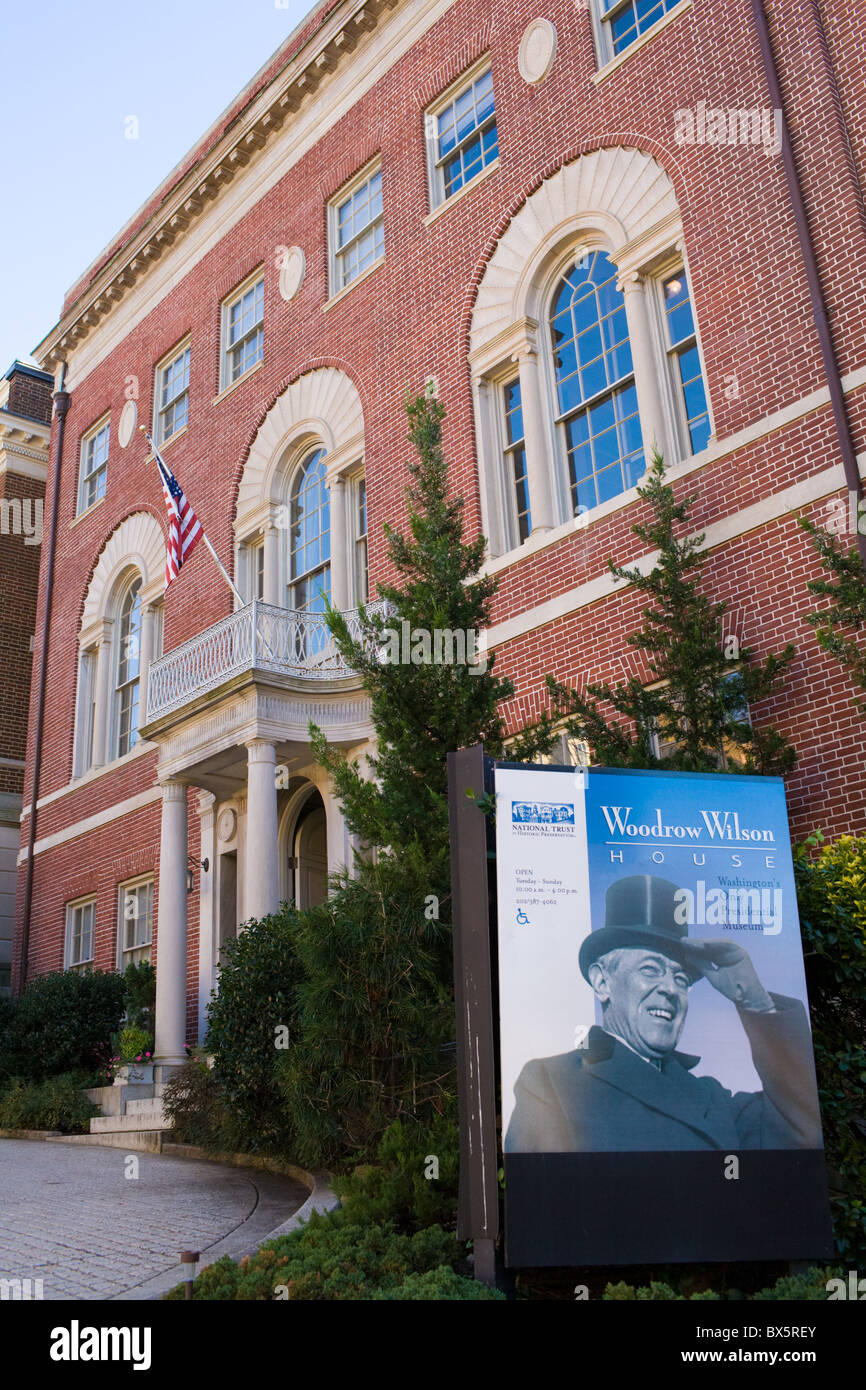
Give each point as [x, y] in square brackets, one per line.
[597, 409]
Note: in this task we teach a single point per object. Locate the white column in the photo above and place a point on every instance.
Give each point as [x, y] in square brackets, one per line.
[102, 695]
[271, 587]
[339, 543]
[538, 461]
[261, 878]
[145, 657]
[646, 380]
[339, 852]
[207, 909]
[171, 928]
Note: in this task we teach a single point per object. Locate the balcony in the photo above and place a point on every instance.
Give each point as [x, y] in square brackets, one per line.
[259, 637]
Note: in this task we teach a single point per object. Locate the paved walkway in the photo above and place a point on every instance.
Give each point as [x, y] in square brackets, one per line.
[70, 1216]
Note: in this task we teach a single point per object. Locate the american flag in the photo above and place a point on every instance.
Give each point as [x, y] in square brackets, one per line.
[184, 527]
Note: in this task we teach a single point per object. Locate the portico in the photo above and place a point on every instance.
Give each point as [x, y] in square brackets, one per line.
[230, 713]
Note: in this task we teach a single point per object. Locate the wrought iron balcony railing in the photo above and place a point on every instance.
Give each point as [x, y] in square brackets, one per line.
[262, 637]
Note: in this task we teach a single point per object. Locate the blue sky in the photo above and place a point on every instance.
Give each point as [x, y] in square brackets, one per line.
[72, 75]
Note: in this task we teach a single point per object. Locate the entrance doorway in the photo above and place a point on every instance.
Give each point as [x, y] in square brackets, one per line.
[309, 855]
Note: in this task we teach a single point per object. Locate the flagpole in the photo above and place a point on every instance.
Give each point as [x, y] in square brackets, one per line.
[220, 566]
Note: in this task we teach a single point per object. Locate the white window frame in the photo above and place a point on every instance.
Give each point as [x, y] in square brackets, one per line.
[604, 11]
[359, 548]
[337, 252]
[85, 709]
[127, 893]
[227, 348]
[79, 905]
[493, 373]
[115, 690]
[165, 410]
[507, 451]
[673, 390]
[568, 751]
[435, 162]
[86, 473]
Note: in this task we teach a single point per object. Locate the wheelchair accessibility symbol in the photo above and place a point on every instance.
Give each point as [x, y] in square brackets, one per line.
[522, 919]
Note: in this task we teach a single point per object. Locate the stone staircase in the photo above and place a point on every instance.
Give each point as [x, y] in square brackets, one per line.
[132, 1117]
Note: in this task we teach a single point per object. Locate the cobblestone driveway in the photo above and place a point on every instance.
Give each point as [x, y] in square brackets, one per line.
[70, 1217]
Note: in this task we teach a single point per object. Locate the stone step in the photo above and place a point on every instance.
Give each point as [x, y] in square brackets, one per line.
[121, 1124]
[137, 1140]
[146, 1106]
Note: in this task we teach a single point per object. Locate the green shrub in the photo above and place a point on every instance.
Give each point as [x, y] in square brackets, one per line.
[257, 983]
[331, 1259]
[56, 1103]
[809, 1287]
[134, 1044]
[396, 1187]
[438, 1283]
[374, 1013]
[832, 906]
[62, 1022]
[193, 1101]
[139, 983]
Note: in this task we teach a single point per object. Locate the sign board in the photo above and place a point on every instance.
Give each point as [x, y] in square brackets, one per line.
[659, 1100]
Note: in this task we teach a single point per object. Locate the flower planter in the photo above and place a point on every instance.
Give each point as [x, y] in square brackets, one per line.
[132, 1072]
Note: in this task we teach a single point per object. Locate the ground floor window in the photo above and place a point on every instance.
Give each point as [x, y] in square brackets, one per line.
[135, 921]
[80, 919]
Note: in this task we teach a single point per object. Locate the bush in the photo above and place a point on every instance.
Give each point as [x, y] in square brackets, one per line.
[56, 1103]
[134, 1044]
[832, 905]
[330, 1259]
[439, 1283]
[139, 982]
[810, 1287]
[257, 983]
[397, 1187]
[62, 1022]
[193, 1101]
[374, 1013]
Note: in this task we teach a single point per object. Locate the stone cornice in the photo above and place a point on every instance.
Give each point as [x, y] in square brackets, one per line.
[326, 49]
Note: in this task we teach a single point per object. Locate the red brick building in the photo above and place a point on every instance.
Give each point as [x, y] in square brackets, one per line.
[585, 224]
[25, 417]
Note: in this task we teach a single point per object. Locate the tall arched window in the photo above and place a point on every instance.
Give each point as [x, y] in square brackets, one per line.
[127, 667]
[310, 536]
[597, 408]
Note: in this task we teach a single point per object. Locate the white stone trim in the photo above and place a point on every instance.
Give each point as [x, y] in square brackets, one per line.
[375, 55]
[751, 518]
[137, 543]
[100, 818]
[719, 449]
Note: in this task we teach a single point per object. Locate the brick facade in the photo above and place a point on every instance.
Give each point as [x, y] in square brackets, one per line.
[412, 317]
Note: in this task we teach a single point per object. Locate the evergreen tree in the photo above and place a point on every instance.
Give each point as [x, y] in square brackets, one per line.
[420, 709]
[700, 693]
[847, 591]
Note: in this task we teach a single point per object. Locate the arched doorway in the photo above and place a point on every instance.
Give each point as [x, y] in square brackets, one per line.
[309, 853]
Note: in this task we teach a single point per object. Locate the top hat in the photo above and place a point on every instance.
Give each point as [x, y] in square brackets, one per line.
[640, 911]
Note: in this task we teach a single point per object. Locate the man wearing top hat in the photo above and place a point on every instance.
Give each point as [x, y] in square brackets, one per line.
[628, 1087]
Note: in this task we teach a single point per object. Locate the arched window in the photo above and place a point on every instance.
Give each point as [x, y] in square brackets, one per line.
[596, 397]
[310, 536]
[127, 666]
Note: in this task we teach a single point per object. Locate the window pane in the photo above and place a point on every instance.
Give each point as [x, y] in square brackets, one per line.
[463, 148]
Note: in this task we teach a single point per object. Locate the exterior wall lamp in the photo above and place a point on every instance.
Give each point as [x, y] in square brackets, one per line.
[191, 865]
